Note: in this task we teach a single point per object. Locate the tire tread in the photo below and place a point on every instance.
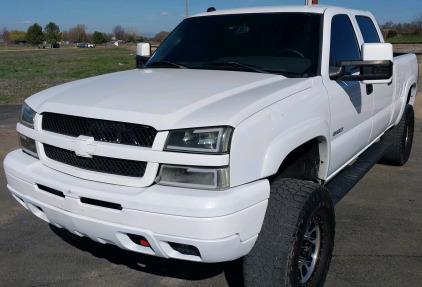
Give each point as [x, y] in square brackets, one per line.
[289, 200]
[398, 154]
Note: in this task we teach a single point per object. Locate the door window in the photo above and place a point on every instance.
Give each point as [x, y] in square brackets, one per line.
[367, 28]
[344, 45]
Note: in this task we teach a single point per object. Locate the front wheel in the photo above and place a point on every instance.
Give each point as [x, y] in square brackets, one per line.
[296, 241]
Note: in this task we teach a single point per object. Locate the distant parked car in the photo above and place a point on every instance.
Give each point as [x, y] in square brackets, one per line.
[86, 45]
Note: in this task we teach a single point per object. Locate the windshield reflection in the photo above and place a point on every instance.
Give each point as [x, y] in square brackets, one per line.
[278, 43]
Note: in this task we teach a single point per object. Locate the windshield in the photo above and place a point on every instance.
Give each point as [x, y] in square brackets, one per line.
[279, 43]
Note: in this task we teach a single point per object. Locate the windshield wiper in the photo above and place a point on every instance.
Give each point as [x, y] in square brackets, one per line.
[166, 63]
[245, 66]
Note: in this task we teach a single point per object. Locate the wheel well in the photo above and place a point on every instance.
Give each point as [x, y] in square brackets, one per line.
[302, 163]
[411, 94]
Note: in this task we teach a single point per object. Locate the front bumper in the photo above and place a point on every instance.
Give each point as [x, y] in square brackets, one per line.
[221, 225]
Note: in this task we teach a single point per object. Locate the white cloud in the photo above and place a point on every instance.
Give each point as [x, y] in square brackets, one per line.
[164, 13]
[26, 22]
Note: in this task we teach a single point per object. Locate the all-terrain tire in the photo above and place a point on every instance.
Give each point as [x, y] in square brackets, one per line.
[299, 224]
[401, 139]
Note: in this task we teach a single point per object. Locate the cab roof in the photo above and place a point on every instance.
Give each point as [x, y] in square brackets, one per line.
[318, 9]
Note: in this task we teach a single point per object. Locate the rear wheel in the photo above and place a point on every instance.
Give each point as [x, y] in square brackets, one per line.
[401, 139]
[296, 241]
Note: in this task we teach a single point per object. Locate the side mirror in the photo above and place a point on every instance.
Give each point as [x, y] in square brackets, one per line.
[379, 52]
[143, 53]
[376, 66]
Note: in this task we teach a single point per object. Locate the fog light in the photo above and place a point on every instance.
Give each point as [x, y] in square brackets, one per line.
[185, 249]
[194, 177]
[140, 240]
[28, 145]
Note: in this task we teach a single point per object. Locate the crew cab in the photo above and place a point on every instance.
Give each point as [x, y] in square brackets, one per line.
[234, 140]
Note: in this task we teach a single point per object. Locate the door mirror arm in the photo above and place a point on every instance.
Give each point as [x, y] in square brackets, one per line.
[369, 70]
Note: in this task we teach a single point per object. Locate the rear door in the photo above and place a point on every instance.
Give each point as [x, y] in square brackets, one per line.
[382, 93]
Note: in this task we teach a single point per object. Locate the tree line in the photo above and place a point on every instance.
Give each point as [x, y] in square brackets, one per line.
[35, 35]
[391, 30]
[51, 34]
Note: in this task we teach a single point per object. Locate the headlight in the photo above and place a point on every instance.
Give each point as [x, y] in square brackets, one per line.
[205, 140]
[27, 116]
[194, 177]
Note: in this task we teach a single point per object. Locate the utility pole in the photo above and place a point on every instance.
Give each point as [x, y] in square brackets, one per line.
[187, 11]
[311, 2]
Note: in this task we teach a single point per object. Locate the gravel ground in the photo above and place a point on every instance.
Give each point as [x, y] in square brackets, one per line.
[13, 90]
[378, 235]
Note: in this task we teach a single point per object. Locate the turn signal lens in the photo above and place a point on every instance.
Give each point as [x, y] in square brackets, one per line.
[28, 145]
[194, 177]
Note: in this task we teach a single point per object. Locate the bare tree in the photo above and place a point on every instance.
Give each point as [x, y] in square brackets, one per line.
[418, 23]
[120, 33]
[132, 34]
[65, 35]
[161, 36]
[132, 31]
[388, 25]
[77, 34]
[5, 36]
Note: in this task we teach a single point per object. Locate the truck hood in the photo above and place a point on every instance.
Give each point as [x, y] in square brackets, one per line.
[169, 98]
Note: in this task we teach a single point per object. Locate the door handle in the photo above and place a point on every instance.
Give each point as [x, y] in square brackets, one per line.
[369, 89]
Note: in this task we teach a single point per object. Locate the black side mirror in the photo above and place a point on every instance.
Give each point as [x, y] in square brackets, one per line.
[369, 70]
[141, 61]
[376, 66]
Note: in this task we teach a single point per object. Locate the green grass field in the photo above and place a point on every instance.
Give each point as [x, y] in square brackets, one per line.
[27, 71]
[405, 39]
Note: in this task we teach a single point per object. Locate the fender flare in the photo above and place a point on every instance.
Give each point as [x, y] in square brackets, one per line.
[283, 144]
[408, 86]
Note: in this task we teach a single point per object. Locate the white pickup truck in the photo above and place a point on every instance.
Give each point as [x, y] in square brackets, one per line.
[234, 140]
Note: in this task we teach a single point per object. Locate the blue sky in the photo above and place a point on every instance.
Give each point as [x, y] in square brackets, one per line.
[149, 17]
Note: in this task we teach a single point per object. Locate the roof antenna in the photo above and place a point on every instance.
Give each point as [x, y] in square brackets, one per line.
[211, 9]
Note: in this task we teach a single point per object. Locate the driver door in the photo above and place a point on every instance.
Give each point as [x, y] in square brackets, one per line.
[351, 102]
